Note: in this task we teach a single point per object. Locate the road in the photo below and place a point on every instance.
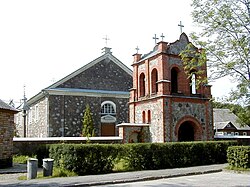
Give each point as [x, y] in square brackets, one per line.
[221, 179]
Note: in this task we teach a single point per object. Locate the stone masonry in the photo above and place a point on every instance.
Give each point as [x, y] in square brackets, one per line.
[165, 98]
[6, 134]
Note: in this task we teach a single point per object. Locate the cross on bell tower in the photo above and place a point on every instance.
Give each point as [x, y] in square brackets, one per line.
[155, 38]
[180, 25]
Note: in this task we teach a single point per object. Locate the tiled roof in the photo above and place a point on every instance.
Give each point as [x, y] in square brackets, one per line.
[5, 106]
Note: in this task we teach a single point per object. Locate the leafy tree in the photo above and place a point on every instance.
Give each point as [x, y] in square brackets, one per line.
[225, 38]
[88, 126]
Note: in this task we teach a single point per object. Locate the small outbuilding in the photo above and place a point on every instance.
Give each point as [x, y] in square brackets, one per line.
[6, 134]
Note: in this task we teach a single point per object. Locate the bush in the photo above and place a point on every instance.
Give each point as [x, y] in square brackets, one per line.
[85, 158]
[171, 155]
[238, 157]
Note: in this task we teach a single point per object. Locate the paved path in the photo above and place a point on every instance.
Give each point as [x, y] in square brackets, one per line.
[113, 178]
[220, 179]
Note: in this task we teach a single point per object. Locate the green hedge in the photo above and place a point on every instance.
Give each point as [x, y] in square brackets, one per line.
[85, 158]
[239, 156]
[100, 158]
[171, 155]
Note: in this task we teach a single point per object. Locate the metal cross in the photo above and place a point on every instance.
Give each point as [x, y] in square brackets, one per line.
[137, 49]
[162, 37]
[180, 25]
[106, 40]
[155, 38]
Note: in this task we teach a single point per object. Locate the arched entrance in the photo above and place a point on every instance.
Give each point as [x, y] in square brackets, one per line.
[186, 132]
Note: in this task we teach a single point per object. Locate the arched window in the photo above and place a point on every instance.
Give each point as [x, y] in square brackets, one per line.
[154, 79]
[142, 84]
[174, 80]
[108, 107]
[149, 116]
[143, 117]
[193, 83]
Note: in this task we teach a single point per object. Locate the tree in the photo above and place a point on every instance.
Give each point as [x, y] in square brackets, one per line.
[225, 38]
[88, 126]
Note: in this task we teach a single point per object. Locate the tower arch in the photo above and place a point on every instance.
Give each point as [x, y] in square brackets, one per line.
[142, 84]
[188, 128]
[174, 80]
[154, 80]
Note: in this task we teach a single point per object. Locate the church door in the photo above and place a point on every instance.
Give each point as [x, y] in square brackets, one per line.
[108, 129]
[186, 132]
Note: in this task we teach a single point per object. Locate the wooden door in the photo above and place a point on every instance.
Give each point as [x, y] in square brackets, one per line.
[108, 129]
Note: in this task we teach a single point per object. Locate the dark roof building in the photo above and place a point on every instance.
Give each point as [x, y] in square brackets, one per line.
[226, 123]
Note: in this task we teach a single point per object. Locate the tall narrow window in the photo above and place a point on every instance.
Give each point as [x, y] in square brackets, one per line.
[174, 80]
[142, 85]
[154, 79]
[193, 83]
[143, 117]
[149, 116]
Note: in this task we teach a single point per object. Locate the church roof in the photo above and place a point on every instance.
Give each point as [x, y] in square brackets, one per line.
[55, 90]
[5, 106]
[224, 117]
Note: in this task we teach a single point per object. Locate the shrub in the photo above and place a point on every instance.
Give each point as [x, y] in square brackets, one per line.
[171, 155]
[85, 158]
[239, 157]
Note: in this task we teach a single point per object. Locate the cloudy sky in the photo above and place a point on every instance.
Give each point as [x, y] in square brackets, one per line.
[42, 41]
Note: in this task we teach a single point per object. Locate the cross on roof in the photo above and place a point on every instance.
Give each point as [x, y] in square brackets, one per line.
[155, 38]
[137, 49]
[180, 25]
[106, 40]
[162, 37]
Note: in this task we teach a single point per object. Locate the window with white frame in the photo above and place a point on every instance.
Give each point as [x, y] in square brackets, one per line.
[236, 133]
[244, 133]
[108, 107]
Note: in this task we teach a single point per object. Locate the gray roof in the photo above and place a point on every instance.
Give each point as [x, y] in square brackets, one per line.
[223, 117]
[5, 106]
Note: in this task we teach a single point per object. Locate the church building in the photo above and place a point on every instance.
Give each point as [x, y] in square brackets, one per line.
[164, 105]
[57, 111]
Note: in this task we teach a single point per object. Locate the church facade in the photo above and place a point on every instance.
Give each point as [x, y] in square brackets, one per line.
[57, 111]
[164, 105]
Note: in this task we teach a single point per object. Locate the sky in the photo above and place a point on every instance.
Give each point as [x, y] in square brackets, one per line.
[42, 41]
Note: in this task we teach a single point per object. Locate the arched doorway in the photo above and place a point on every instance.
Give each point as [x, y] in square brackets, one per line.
[186, 132]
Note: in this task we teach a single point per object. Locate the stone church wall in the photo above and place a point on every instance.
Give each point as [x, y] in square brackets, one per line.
[199, 111]
[105, 75]
[66, 113]
[37, 119]
[156, 127]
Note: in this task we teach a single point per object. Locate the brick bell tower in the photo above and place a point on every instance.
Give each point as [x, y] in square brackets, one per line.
[164, 98]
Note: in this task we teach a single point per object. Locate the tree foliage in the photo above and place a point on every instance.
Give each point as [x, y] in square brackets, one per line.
[225, 37]
[88, 126]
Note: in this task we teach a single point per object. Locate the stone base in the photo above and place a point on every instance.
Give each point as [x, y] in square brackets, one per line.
[5, 163]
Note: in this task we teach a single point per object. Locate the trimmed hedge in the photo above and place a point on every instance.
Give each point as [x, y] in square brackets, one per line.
[86, 159]
[239, 157]
[171, 155]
